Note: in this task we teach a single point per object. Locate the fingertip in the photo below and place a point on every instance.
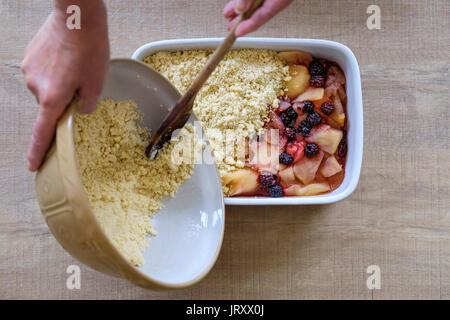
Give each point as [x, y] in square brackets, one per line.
[229, 26]
[31, 168]
[239, 32]
[242, 6]
[260, 17]
[43, 133]
[31, 162]
[86, 106]
[244, 28]
[232, 22]
[228, 11]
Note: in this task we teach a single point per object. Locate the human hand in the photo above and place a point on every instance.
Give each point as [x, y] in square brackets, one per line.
[59, 64]
[269, 9]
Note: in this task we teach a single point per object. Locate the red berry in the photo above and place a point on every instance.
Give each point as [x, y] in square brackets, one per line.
[295, 149]
[291, 148]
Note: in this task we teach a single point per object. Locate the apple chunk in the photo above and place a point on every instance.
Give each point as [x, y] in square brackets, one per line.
[275, 122]
[299, 81]
[309, 190]
[287, 177]
[241, 181]
[305, 170]
[338, 115]
[325, 137]
[311, 94]
[335, 80]
[295, 57]
[330, 167]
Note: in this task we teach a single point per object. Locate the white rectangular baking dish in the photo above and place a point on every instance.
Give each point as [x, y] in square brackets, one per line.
[319, 48]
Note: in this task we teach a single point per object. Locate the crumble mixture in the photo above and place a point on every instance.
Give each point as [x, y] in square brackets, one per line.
[124, 187]
[235, 99]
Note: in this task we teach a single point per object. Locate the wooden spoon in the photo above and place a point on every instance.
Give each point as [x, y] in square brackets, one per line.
[181, 111]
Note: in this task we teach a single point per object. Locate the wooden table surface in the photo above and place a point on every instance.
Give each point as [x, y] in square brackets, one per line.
[398, 218]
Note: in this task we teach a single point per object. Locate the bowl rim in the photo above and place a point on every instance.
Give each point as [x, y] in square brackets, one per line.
[264, 43]
[77, 199]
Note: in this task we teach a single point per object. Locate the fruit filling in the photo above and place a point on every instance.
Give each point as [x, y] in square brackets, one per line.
[308, 157]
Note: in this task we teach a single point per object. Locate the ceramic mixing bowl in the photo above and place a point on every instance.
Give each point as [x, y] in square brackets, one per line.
[190, 226]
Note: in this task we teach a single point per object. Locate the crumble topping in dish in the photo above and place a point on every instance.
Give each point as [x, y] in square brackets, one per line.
[234, 99]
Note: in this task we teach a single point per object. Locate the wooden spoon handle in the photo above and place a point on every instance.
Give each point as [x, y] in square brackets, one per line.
[181, 111]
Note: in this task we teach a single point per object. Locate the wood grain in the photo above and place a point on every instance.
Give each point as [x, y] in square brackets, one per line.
[398, 218]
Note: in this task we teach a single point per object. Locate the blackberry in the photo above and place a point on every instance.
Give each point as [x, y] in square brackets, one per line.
[342, 148]
[304, 128]
[290, 112]
[308, 107]
[288, 122]
[276, 191]
[286, 158]
[317, 81]
[290, 133]
[327, 108]
[311, 149]
[316, 68]
[267, 179]
[314, 119]
[288, 117]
